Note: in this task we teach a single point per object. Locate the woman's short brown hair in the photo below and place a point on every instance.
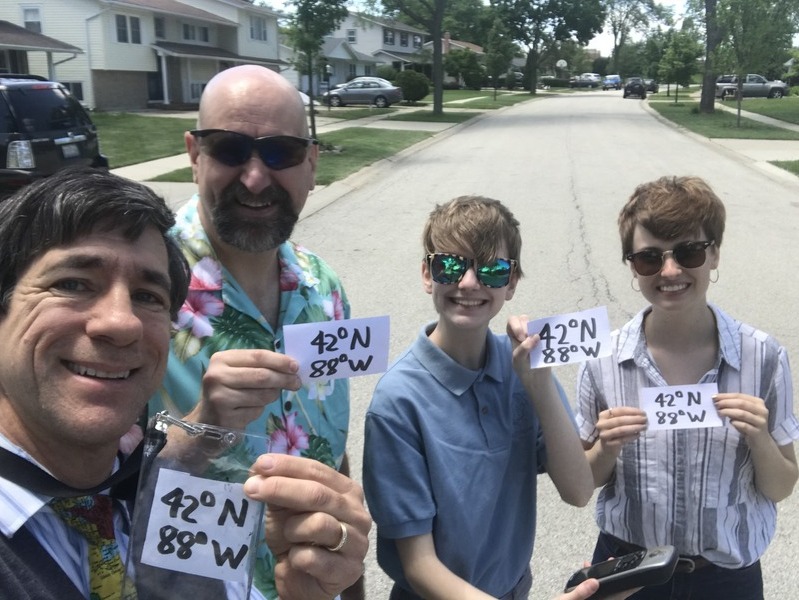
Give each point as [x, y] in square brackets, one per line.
[671, 207]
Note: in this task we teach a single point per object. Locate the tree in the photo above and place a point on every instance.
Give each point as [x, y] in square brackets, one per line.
[427, 15]
[540, 24]
[464, 64]
[626, 16]
[468, 20]
[678, 64]
[311, 21]
[499, 53]
[756, 30]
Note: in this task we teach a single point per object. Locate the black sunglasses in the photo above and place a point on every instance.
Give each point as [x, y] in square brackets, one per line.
[450, 268]
[233, 149]
[688, 255]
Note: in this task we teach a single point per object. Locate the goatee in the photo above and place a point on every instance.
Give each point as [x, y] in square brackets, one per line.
[254, 235]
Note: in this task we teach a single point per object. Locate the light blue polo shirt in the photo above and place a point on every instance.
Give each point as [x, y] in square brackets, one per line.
[455, 453]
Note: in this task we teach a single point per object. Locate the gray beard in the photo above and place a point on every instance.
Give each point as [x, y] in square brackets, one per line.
[254, 236]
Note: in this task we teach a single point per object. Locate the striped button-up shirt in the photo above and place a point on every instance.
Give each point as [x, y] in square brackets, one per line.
[691, 488]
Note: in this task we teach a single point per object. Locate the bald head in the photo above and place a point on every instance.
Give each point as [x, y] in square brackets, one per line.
[250, 95]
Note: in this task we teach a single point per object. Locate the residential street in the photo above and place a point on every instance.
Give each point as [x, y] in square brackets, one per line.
[564, 165]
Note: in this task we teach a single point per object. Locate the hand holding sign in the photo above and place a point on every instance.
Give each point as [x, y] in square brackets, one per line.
[570, 338]
[337, 349]
[680, 406]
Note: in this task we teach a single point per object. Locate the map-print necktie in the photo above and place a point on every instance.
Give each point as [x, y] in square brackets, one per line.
[92, 516]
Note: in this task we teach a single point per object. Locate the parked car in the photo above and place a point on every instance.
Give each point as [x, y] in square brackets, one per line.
[43, 128]
[754, 86]
[611, 82]
[590, 80]
[651, 86]
[634, 86]
[364, 90]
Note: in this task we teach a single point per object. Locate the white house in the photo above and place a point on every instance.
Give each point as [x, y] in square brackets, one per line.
[139, 53]
[390, 42]
[341, 63]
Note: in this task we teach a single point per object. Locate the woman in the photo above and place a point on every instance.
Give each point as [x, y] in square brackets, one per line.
[711, 492]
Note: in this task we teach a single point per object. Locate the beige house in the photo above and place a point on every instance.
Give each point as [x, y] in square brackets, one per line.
[131, 54]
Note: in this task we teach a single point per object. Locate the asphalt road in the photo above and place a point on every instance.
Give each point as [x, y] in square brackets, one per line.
[564, 165]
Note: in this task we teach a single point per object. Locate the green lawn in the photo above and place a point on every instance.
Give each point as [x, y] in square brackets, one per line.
[127, 138]
[721, 124]
[785, 109]
[791, 166]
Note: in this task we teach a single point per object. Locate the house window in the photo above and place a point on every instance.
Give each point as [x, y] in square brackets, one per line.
[189, 32]
[367, 70]
[122, 29]
[32, 19]
[417, 41]
[388, 37]
[257, 28]
[128, 29]
[160, 28]
[403, 39]
[135, 30]
[204, 37]
[353, 69]
[196, 89]
[352, 36]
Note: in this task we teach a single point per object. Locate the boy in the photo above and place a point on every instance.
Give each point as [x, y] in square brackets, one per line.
[457, 428]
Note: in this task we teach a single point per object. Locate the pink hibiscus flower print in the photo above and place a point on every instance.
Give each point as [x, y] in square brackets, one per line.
[334, 306]
[290, 438]
[206, 275]
[197, 311]
[289, 280]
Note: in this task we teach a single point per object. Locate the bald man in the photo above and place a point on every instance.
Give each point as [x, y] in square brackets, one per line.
[254, 166]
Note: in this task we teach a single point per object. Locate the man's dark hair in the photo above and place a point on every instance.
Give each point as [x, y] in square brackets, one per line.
[74, 203]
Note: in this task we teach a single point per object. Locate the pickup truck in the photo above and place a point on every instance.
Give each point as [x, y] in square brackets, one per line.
[754, 86]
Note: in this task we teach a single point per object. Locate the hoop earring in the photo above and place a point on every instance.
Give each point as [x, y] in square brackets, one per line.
[632, 284]
[711, 276]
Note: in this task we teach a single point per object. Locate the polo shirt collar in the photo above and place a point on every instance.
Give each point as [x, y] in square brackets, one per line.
[453, 376]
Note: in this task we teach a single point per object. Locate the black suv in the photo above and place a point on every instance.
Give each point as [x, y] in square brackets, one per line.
[43, 128]
[634, 86]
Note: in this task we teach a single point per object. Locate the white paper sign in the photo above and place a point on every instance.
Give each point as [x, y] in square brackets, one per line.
[680, 406]
[336, 349]
[201, 526]
[570, 338]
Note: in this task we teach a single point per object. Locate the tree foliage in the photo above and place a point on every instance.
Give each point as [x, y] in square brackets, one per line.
[499, 52]
[429, 16]
[679, 62]
[468, 21]
[540, 24]
[464, 65]
[311, 21]
[627, 16]
[756, 31]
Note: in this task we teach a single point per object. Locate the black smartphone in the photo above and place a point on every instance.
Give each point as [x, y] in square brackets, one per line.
[637, 569]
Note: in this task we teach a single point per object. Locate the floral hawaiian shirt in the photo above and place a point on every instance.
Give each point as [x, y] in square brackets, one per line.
[218, 315]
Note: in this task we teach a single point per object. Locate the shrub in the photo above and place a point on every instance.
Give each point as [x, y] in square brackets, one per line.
[387, 72]
[415, 86]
